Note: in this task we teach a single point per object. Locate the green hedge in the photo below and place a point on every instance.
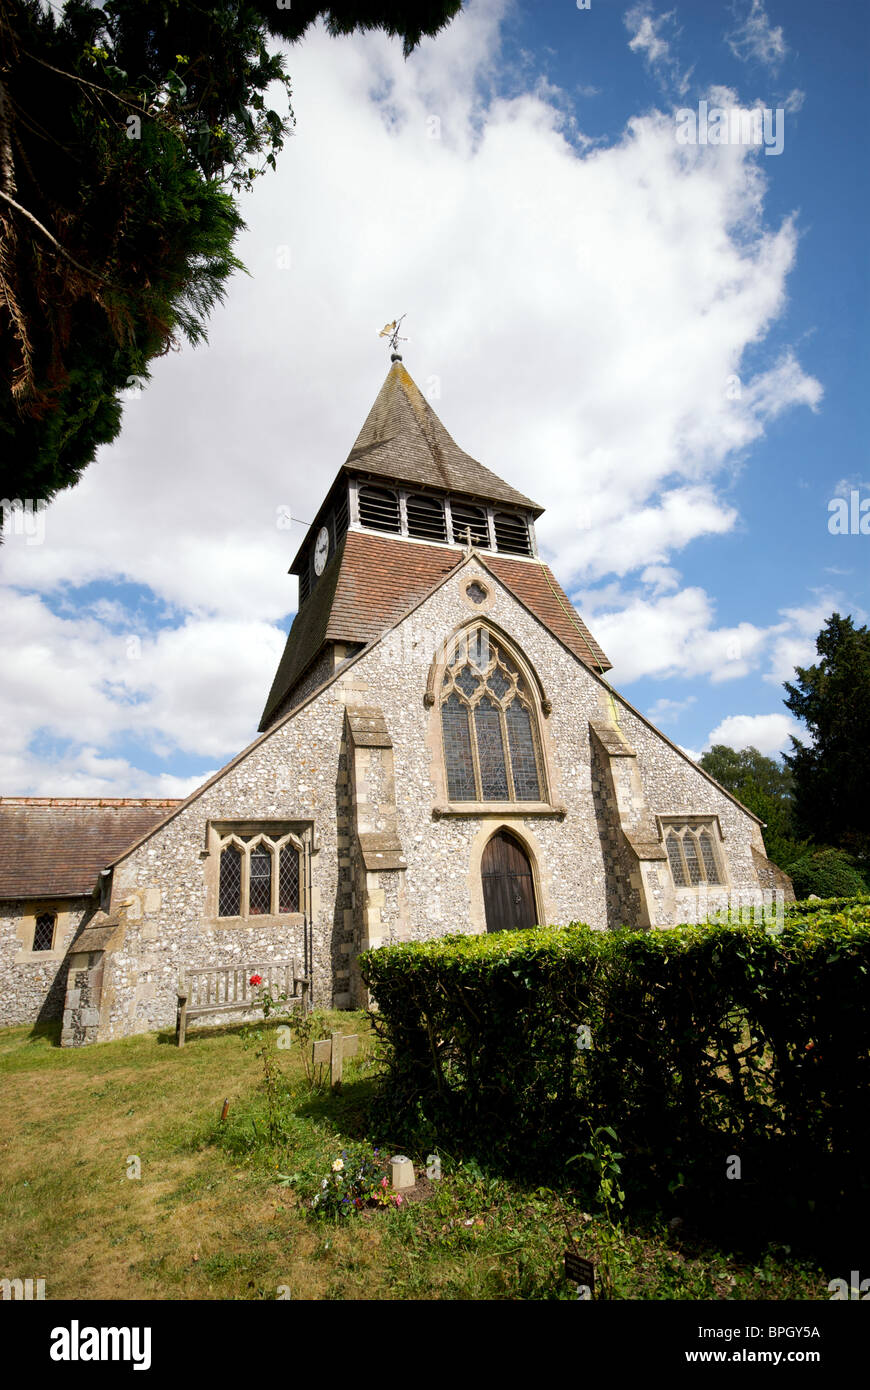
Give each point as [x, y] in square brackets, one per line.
[827, 873]
[705, 1041]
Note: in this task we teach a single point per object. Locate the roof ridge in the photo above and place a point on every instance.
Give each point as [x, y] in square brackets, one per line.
[90, 800]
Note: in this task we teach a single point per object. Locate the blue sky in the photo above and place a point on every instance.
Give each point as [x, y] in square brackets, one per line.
[664, 344]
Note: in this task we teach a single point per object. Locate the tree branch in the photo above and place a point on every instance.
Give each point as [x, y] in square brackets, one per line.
[56, 244]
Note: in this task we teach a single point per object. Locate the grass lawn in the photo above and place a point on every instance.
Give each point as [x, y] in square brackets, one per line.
[219, 1212]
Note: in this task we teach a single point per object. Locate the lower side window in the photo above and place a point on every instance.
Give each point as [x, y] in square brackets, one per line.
[43, 935]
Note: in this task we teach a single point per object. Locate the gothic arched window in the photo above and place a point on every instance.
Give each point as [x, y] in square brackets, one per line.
[259, 875]
[488, 723]
[692, 855]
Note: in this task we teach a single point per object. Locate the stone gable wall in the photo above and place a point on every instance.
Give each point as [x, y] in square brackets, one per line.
[299, 772]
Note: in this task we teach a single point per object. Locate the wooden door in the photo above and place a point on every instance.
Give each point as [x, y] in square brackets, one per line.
[508, 888]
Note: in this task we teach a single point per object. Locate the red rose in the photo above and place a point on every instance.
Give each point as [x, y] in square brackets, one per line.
[255, 980]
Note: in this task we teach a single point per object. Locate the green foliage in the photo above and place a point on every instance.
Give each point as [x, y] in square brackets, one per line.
[126, 131]
[358, 1178]
[831, 774]
[828, 873]
[736, 768]
[702, 1038]
[764, 787]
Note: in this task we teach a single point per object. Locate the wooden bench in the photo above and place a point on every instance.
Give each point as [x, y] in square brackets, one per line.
[227, 989]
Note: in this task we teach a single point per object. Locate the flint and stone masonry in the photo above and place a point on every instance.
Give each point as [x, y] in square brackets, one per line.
[351, 763]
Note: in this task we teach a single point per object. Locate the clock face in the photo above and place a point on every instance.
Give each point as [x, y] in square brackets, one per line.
[321, 550]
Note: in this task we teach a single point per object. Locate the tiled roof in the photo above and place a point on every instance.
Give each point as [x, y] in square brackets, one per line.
[534, 585]
[56, 846]
[372, 580]
[369, 583]
[403, 439]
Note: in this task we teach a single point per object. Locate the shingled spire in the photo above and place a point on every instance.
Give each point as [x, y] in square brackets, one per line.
[403, 439]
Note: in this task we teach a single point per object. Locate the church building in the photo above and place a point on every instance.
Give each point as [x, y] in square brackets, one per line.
[440, 751]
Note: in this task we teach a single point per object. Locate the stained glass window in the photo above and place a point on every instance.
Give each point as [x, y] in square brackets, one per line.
[467, 681]
[457, 750]
[491, 749]
[260, 897]
[522, 748]
[498, 683]
[230, 894]
[490, 752]
[288, 880]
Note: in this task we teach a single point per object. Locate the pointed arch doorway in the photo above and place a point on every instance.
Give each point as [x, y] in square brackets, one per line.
[508, 884]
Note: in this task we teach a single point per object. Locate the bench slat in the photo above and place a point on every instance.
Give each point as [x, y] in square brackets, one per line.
[200, 990]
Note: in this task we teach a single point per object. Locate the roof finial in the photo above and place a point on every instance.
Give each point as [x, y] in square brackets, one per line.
[391, 331]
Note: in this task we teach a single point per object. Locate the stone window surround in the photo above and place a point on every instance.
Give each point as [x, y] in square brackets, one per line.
[30, 910]
[701, 821]
[275, 834]
[541, 707]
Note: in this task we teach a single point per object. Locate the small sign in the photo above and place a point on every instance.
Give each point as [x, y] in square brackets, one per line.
[580, 1272]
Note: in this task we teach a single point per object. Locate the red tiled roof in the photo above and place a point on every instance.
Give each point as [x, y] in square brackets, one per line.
[56, 846]
[534, 585]
[374, 579]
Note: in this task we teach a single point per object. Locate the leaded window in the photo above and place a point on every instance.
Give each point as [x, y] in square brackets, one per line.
[288, 882]
[43, 934]
[230, 895]
[260, 895]
[693, 854]
[489, 727]
[259, 875]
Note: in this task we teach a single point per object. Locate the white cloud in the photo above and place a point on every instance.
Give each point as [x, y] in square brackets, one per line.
[648, 38]
[756, 38]
[668, 711]
[674, 635]
[769, 733]
[569, 301]
[75, 683]
[665, 631]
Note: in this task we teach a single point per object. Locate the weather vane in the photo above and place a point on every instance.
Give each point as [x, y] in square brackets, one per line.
[391, 331]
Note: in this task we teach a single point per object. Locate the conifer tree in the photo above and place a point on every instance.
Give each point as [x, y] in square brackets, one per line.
[127, 130]
[832, 774]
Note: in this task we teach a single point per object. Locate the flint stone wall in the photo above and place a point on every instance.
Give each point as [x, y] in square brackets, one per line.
[298, 772]
[33, 983]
